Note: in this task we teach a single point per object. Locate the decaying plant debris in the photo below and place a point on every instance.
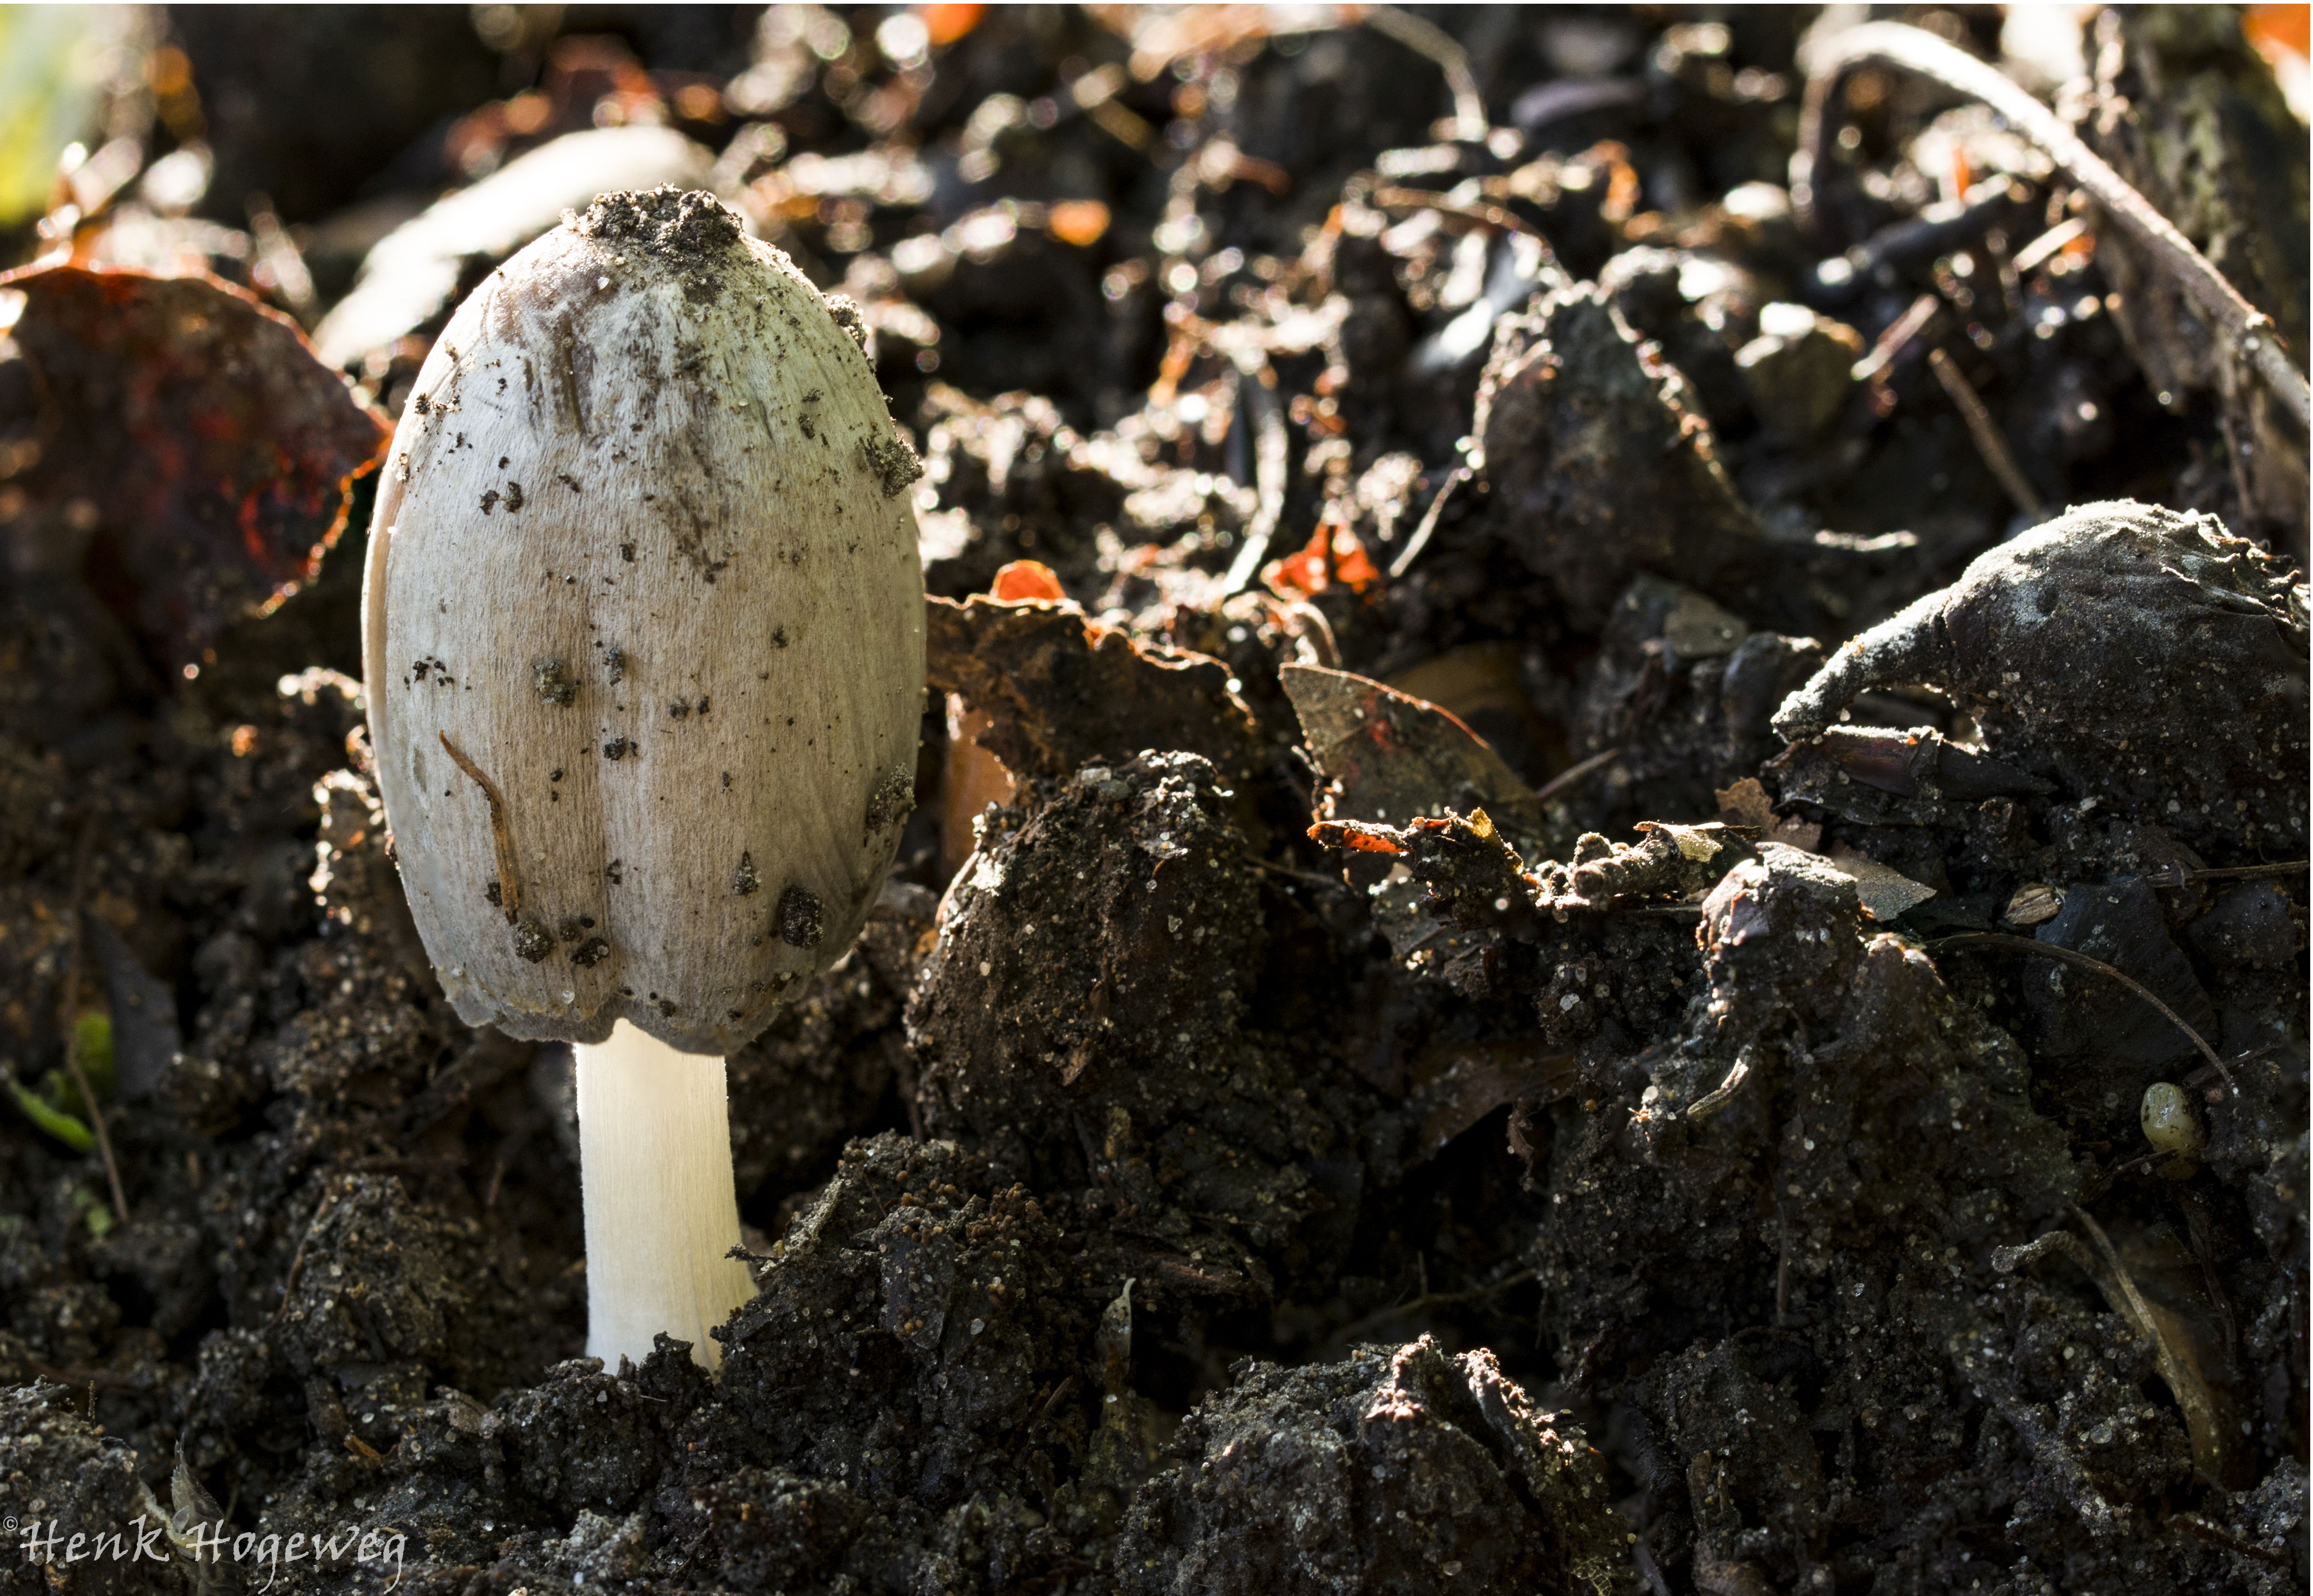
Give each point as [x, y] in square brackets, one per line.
[1529, 959]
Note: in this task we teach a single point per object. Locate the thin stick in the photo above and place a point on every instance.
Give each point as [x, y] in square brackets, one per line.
[1426, 37]
[2200, 1529]
[1989, 443]
[69, 1016]
[2198, 1080]
[1574, 773]
[2138, 1310]
[1477, 215]
[2025, 944]
[1422, 534]
[1724, 1092]
[2233, 872]
[2047, 244]
[1333, 883]
[2248, 329]
[1271, 465]
[1936, 230]
[1892, 343]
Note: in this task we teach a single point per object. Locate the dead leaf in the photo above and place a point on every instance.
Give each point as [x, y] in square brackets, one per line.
[1746, 804]
[1456, 1084]
[1334, 555]
[1884, 893]
[1392, 758]
[1694, 843]
[2170, 1302]
[2150, 1280]
[196, 459]
[1061, 693]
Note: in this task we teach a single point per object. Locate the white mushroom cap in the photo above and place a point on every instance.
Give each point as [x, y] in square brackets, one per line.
[643, 632]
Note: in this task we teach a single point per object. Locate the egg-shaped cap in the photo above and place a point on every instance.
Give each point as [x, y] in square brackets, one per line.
[643, 630]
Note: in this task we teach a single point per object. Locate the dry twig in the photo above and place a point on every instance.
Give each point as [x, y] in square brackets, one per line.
[1424, 38]
[1256, 383]
[2232, 872]
[1892, 342]
[2201, 1529]
[2025, 944]
[1422, 534]
[2248, 329]
[1989, 443]
[1574, 773]
[2048, 245]
[1476, 214]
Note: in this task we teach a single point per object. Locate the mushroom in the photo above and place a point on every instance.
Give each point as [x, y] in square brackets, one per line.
[642, 631]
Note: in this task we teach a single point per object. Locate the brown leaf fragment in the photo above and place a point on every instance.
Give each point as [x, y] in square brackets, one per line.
[1456, 1084]
[1061, 692]
[1391, 757]
[196, 460]
[1884, 892]
[1745, 805]
[2195, 1358]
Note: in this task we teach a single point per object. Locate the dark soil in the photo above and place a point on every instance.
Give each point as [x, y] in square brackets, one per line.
[1268, 1139]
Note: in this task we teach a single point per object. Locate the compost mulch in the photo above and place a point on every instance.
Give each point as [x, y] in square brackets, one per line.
[1526, 958]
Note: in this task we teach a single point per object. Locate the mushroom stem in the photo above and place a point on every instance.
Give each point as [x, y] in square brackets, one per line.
[654, 1161]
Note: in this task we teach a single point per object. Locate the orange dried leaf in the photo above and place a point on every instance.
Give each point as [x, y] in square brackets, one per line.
[1333, 555]
[1356, 836]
